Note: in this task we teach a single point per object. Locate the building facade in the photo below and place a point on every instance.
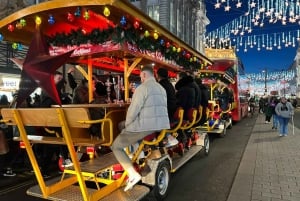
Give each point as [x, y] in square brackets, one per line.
[184, 18]
[296, 67]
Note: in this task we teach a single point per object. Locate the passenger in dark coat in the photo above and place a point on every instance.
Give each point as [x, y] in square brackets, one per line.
[204, 99]
[162, 78]
[185, 95]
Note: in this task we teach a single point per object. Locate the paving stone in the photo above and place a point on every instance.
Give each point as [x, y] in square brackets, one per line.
[269, 169]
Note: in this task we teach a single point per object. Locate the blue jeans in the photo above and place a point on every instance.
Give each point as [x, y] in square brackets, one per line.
[275, 120]
[283, 125]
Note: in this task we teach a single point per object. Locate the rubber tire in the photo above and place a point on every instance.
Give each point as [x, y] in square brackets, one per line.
[162, 180]
[206, 147]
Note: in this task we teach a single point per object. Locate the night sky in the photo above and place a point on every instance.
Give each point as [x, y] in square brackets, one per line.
[254, 61]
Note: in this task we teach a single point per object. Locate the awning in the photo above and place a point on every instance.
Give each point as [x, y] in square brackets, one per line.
[95, 22]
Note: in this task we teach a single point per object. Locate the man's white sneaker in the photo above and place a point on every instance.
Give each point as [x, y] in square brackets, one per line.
[132, 181]
[67, 163]
[172, 141]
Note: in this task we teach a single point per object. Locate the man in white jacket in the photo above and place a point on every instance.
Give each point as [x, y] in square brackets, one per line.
[147, 113]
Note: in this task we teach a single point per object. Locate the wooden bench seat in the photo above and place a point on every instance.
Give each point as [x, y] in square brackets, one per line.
[37, 139]
[69, 126]
[74, 122]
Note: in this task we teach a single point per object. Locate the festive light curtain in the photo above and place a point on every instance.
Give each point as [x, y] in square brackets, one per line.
[268, 17]
[275, 81]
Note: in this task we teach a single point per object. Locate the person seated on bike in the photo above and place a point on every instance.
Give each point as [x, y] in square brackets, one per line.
[147, 114]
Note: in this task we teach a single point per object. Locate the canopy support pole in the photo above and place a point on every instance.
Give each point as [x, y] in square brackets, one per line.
[127, 72]
[90, 79]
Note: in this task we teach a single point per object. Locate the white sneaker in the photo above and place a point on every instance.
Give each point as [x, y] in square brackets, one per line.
[9, 173]
[132, 181]
[67, 163]
[172, 141]
[280, 135]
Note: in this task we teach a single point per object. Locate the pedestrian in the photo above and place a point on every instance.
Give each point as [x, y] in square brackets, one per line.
[285, 111]
[268, 111]
[147, 114]
[261, 104]
[274, 102]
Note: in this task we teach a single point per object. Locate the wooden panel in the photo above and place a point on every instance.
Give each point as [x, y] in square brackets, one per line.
[73, 115]
[116, 116]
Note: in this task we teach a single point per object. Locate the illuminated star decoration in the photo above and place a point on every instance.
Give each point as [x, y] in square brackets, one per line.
[39, 68]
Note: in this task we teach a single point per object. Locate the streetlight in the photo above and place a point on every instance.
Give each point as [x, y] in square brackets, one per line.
[283, 72]
[265, 71]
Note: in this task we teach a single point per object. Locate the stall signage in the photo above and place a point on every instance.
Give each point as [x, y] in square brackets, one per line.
[154, 55]
[84, 49]
[10, 83]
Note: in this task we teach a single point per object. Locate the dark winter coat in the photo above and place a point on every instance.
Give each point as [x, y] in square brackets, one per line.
[197, 94]
[171, 97]
[185, 95]
[223, 97]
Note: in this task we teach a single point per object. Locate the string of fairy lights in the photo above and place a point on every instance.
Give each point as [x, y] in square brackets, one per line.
[126, 28]
[275, 81]
[261, 16]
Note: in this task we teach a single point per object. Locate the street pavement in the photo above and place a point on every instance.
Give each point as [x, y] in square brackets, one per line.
[270, 166]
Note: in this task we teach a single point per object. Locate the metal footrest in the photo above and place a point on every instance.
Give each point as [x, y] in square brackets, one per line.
[94, 165]
[73, 193]
[178, 161]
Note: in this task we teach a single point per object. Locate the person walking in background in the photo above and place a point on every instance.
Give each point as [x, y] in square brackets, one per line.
[274, 102]
[268, 111]
[261, 104]
[285, 111]
[147, 114]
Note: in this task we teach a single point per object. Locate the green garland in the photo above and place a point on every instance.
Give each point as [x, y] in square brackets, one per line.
[119, 35]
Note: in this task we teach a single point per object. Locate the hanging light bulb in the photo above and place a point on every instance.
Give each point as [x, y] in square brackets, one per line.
[19, 26]
[155, 35]
[77, 12]
[51, 19]
[146, 34]
[38, 20]
[106, 11]
[86, 15]
[14, 46]
[123, 21]
[23, 22]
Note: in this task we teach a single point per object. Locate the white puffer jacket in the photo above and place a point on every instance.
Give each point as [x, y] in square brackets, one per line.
[148, 109]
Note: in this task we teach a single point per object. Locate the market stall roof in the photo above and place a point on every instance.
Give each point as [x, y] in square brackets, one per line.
[98, 29]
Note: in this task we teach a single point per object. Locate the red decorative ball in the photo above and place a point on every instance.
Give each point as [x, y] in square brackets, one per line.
[188, 55]
[71, 17]
[11, 28]
[168, 44]
[136, 24]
